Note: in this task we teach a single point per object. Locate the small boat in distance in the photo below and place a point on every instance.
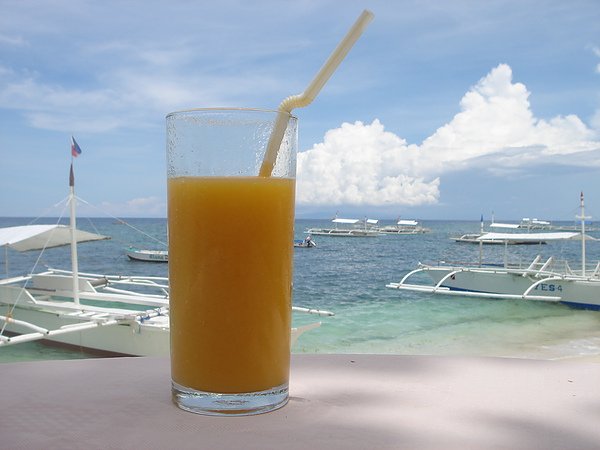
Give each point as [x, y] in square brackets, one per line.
[506, 238]
[348, 228]
[307, 242]
[537, 224]
[511, 238]
[148, 255]
[404, 227]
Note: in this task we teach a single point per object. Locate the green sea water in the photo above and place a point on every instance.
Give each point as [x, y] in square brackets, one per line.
[348, 276]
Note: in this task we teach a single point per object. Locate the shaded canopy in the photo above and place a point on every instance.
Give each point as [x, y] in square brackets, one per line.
[36, 237]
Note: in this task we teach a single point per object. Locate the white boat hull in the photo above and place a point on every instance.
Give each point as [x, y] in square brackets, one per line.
[126, 324]
[149, 255]
[127, 339]
[132, 339]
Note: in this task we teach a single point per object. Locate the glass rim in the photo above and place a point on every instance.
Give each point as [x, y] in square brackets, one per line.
[225, 108]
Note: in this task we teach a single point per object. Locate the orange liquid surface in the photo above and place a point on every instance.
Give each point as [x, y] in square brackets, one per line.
[230, 270]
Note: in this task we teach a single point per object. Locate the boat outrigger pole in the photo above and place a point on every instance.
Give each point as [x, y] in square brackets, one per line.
[73, 225]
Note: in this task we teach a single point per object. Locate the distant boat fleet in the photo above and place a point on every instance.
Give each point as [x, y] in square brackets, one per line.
[367, 228]
[162, 256]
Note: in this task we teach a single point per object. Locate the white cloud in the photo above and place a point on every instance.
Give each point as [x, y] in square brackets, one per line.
[16, 41]
[129, 97]
[495, 130]
[56, 108]
[137, 207]
[595, 121]
[361, 164]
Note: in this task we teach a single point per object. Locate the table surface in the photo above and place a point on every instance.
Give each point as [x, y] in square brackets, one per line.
[337, 402]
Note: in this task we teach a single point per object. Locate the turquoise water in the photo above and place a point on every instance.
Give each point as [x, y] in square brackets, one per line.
[348, 276]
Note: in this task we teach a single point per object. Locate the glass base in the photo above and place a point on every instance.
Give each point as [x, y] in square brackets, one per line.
[213, 404]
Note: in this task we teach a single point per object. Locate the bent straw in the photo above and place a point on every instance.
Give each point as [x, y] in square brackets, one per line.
[305, 98]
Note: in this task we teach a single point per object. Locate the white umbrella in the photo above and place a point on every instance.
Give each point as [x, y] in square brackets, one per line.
[36, 237]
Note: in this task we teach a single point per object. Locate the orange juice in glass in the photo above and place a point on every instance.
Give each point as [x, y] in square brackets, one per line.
[230, 261]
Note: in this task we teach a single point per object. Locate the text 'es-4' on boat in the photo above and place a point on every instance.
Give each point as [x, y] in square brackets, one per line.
[544, 279]
[112, 314]
[348, 228]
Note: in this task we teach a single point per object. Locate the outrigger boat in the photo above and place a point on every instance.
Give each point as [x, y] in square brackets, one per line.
[506, 238]
[404, 226]
[548, 280]
[494, 238]
[537, 224]
[111, 314]
[348, 228]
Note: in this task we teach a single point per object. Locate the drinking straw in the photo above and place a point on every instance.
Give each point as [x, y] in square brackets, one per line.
[309, 94]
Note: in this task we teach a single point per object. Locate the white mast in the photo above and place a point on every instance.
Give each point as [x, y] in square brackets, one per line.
[582, 217]
[74, 265]
[480, 241]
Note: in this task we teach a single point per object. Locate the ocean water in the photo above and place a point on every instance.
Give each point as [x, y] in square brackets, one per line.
[348, 276]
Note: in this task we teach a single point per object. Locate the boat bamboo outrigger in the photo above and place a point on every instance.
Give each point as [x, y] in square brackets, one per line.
[115, 314]
[548, 280]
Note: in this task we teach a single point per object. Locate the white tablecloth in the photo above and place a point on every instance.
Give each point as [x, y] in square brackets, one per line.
[337, 402]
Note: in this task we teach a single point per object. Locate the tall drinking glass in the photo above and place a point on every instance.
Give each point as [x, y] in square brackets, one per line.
[230, 260]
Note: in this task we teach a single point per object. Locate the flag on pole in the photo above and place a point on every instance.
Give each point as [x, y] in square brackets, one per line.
[75, 149]
[71, 177]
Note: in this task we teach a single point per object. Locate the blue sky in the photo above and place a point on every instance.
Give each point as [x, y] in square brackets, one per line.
[442, 110]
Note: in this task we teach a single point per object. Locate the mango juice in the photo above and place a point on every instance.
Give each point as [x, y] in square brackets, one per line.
[230, 270]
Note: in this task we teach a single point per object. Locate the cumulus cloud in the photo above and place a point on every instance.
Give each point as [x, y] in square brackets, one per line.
[360, 164]
[495, 130]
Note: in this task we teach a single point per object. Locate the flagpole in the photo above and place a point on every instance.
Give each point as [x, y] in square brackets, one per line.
[73, 224]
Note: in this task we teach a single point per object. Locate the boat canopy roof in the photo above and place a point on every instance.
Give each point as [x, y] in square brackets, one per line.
[508, 237]
[336, 220]
[504, 225]
[536, 221]
[373, 221]
[36, 237]
[408, 222]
